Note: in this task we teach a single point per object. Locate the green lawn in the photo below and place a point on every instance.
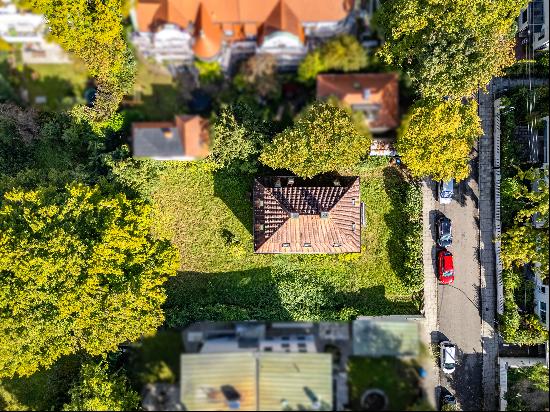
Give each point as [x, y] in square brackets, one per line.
[396, 378]
[208, 217]
[62, 84]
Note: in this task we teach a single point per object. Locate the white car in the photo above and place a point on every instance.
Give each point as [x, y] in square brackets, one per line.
[445, 191]
[448, 356]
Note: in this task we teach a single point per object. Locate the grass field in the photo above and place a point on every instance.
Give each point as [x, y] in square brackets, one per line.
[62, 84]
[208, 217]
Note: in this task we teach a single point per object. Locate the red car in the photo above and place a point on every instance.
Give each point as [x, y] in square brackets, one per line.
[445, 267]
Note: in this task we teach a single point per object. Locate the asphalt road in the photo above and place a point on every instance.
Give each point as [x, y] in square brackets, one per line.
[459, 304]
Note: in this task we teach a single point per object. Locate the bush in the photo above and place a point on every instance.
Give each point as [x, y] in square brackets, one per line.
[343, 53]
[209, 72]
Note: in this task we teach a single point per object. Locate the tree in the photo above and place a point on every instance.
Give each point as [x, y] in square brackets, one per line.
[238, 137]
[524, 243]
[79, 272]
[259, 74]
[449, 47]
[93, 31]
[343, 53]
[323, 139]
[436, 138]
[99, 390]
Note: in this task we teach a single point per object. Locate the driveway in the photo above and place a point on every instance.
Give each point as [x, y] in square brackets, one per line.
[458, 304]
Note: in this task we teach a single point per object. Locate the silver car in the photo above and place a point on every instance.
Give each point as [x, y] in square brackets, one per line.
[445, 191]
[448, 356]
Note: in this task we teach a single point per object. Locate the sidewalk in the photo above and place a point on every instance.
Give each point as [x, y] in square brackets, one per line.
[429, 324]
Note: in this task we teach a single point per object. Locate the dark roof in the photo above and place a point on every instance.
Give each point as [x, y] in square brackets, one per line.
[308, 216]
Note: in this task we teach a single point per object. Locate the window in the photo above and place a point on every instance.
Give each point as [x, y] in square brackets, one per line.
[543, 289]
[543, 311]
[301, 345]
[286, 244]
[268, 349]
[307, 244]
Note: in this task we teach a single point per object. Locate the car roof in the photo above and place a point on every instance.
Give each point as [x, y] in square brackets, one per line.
[445, 224]
[450, 350]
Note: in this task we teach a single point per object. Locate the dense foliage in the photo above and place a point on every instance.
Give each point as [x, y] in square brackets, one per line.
[99, 390]
[527, 388]
[436, 138]
[523, 243]
[237, 138]
[449, 47]
[80, 271]
[322, 139]
[93, 31]
[343, 53]
[259, 74]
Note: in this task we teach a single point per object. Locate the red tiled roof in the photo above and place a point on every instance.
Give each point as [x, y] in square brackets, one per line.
[288, 219]
[282, 18]
[349, 88]
[181, 12]
[208, 36]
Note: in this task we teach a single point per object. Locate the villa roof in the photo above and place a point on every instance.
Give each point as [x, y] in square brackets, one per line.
[282, 18]
[357, 89]
[182, 12]
[184, 139]
[208, 37]
[307, 216]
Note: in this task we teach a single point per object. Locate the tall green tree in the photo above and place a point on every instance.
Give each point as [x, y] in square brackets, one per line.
[343, 53]
[237, 138]
[449, 47]
[79, 271]
[99, 390]
[436, 138]
[93, 31]
[322, 139]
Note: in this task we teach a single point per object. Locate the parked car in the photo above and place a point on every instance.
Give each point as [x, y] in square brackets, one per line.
[445, 267]
[448, 356]
[445, 191]
[444, 231]
[448, 403]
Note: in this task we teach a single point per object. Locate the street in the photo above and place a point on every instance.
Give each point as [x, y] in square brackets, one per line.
[458, 313]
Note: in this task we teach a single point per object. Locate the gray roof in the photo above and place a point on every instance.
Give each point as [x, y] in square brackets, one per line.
[385, 336]
[262, 380]
[151, 142]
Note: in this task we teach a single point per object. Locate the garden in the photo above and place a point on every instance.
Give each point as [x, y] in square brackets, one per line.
[523, 244]
[208, 217]
[396, 379]
[527, 388]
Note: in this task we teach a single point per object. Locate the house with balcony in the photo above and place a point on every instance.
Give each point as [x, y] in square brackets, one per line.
[210, 30]
[533, 28]
[29, 30]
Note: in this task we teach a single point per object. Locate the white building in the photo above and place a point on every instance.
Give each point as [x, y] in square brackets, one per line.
[533, 24]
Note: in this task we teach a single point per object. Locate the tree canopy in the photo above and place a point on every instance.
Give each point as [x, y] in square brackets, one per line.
[524, 243]
[449, 47]
[436, 138]
[238, 137]
[93, 31]
[322, 139]
[79, 272]
[99, 390]
[341, 53]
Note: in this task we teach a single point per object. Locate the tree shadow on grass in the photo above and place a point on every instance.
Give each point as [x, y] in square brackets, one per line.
[269, 294]
[236, 192]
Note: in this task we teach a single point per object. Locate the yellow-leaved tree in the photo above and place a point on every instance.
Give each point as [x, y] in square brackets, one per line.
[79, 271]
[436, 138]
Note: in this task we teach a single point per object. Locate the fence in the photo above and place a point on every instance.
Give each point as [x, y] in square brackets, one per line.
[496, 171]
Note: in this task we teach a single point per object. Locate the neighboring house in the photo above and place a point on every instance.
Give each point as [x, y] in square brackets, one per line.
[184, 139]
[295, 215]
[374, 94]
[533, 25]
[213, 30]
[256, 381]
[541, 299]
[28, 30]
